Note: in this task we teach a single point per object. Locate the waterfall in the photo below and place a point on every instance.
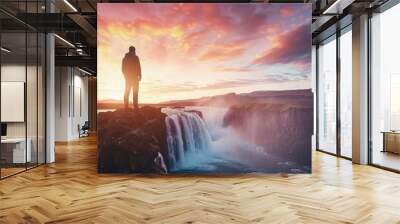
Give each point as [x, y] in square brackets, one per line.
[187, 133]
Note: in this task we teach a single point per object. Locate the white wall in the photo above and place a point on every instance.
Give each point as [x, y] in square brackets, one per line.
[62, 81]
[80, 110]
[71, 102]
[12, 73]
[33, 127]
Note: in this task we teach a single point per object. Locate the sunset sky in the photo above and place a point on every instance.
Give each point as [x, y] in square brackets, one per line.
[195, 50]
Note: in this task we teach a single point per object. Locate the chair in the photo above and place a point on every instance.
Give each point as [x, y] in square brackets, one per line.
[84, 130]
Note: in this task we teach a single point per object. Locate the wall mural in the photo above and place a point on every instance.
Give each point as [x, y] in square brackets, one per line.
[204, 88]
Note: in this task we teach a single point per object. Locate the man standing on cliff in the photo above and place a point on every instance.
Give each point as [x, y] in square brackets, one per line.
[133, 74]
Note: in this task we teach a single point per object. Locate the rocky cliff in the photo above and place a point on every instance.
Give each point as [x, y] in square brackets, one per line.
[131, 141]
[282, 130]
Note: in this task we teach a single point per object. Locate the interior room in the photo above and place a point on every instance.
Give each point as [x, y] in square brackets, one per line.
[22, 103]
[199, 111]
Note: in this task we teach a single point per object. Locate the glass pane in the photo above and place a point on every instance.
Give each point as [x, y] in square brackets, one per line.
[346, 94]
[314, 89]
[327, 97]
[23, 90]
[394, 101]
[13, 87]
[41, 98]
[31, 88]
[31, 98]
[386, 89]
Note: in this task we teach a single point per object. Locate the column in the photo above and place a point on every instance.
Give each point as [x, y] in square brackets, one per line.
[360, 90]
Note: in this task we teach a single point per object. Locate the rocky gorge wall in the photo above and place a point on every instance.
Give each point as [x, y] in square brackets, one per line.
[282, 130]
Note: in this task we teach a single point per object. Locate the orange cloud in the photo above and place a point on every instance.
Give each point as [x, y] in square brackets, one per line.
[218, 52]
[234, 69]
[286, 11]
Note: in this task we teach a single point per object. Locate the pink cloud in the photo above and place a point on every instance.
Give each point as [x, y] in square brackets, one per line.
[292, 47]
[208, 32]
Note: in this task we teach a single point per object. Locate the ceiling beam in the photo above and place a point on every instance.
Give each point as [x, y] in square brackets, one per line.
[49, 22]
[86, 26]
[77, 61]
[337, 6]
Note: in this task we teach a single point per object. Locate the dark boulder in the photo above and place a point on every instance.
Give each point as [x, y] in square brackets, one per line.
[132, 141]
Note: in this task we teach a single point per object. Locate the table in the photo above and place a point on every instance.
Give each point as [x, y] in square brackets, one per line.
[391, 141]
[15, 148]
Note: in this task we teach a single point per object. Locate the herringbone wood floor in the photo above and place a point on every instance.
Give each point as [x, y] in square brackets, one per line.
[71, 191]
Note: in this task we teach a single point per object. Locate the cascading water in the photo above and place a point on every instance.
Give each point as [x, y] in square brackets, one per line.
[187, 134]
[198, 142]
